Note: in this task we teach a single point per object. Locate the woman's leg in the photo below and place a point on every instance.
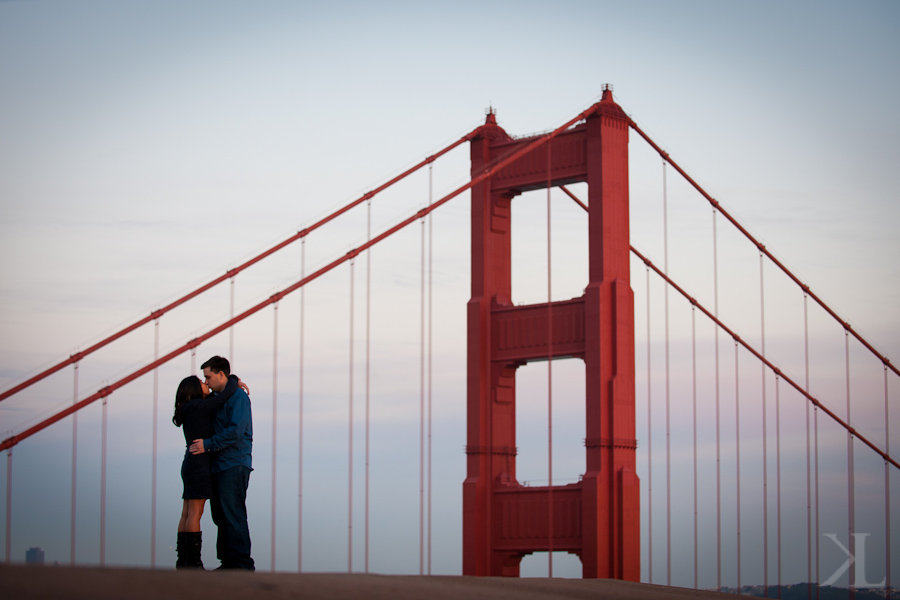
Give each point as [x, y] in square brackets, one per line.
[184, 516]
[194, 509]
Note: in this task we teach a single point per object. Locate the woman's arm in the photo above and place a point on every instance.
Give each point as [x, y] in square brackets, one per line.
[238, 423]
[217, 401]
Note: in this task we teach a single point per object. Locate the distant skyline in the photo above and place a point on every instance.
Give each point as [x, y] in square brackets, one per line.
[148, 147]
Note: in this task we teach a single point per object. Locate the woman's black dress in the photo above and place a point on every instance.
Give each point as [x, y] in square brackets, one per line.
[198, 421]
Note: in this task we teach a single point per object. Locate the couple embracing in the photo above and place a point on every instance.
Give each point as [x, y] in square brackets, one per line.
[218, 430]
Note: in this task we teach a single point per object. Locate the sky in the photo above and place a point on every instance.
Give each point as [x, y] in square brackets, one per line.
[148, 147]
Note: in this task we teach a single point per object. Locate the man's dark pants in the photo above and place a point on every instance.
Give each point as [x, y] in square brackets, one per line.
[229, 512]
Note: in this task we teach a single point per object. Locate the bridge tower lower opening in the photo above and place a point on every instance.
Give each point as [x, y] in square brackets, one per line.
[597, 518]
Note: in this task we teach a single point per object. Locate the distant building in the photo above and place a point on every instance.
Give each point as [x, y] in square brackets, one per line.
[34, 556]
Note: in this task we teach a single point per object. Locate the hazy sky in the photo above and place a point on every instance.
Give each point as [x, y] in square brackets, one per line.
[146, 147]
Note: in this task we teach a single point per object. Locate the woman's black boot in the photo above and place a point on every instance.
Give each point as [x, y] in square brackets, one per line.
[181, 550]
[195, 545]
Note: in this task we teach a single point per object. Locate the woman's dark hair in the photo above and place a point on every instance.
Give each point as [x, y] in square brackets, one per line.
[188, 389]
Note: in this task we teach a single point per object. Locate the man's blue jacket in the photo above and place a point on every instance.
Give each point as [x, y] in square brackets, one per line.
[232, 443]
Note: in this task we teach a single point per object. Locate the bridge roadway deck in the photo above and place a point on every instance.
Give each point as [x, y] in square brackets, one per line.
[19, 582]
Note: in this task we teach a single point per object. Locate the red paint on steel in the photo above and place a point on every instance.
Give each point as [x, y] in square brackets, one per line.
[598, 518]
[549, 374]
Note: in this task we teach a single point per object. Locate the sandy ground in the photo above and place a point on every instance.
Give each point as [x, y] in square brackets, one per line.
[29, 582]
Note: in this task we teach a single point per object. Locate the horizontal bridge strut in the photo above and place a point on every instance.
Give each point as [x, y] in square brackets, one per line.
[520, 333]
[522, 518]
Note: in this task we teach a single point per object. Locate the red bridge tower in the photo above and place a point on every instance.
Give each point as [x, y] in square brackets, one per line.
[597, 518]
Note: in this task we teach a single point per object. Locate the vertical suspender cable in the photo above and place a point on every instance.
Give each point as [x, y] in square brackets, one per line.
[850, 477]
[274, 420]
[422, 403]
[368, 336]
[103, 436]
[231, 329]
[668, 403]
[809, 535]
[350, 438]
[9, 465]
[74, 464]
[718, 411]
[816, 446]
[193, 360]
[815, 433]
[778, 473]
[765, 465]
[430, 339]
[300, 424]
[549, 378]
[737, 455]
[887, 486]
[649, 449]
[155, 443]
[694, 398]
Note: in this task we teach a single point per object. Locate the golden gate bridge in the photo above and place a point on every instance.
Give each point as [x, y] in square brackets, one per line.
[641, 369]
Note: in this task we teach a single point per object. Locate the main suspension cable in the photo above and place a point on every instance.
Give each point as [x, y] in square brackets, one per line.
[762, 248]
[192, 344]
[805, 393]
[816, 402]
[232, 272]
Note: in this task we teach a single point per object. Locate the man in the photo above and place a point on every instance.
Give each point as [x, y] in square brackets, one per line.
[231, 446]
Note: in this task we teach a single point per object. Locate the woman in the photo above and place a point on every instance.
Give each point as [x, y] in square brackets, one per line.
[195, 410]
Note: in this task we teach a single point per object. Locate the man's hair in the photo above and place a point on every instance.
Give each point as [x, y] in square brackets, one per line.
[217, 364]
